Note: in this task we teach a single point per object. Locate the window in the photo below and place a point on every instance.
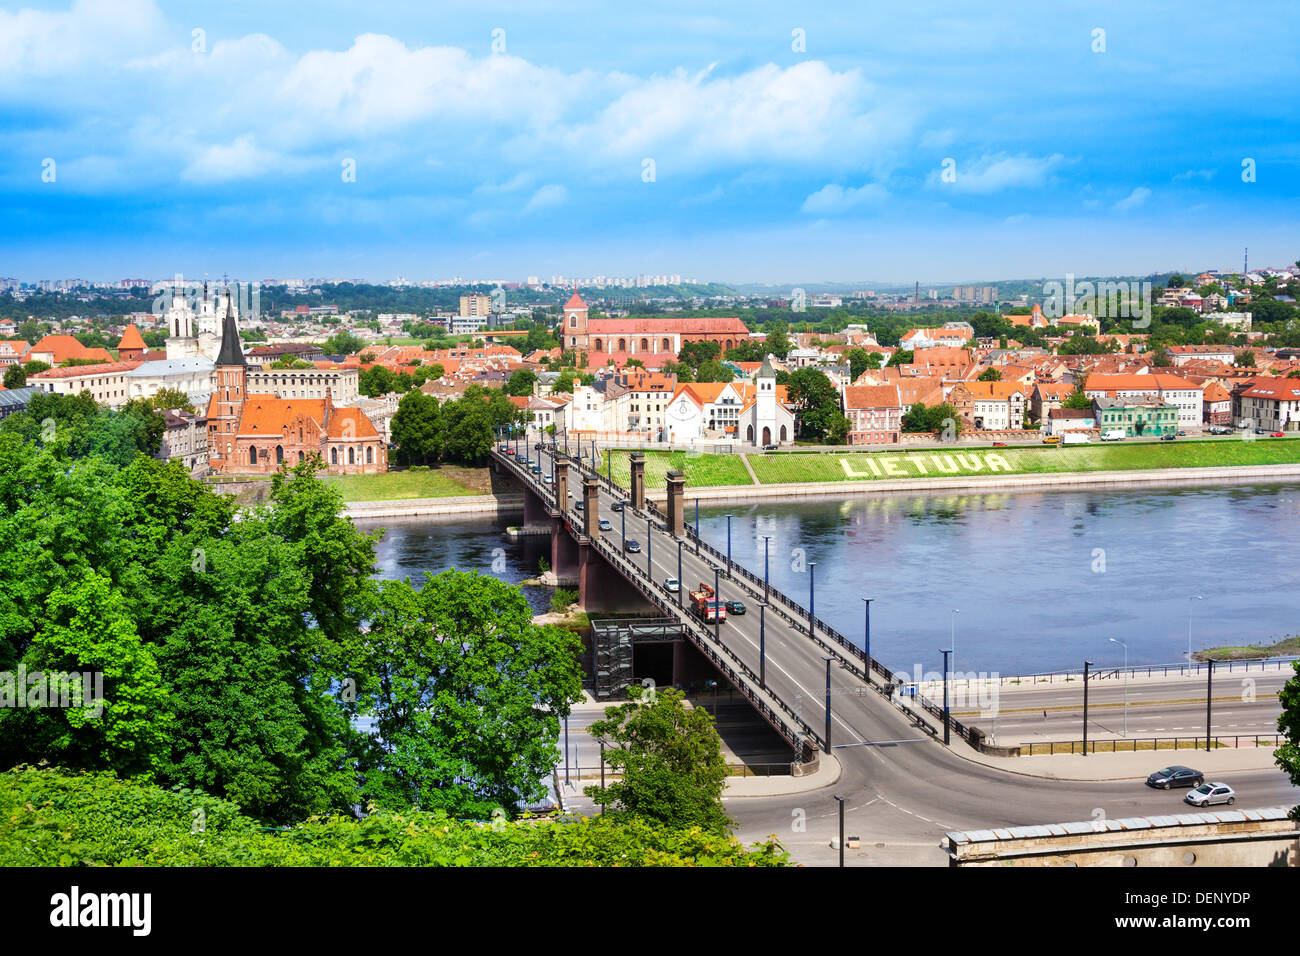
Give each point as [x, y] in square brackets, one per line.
[370, 455]
[279, 454]
[252, 455]
[334, 456]
[351, 456]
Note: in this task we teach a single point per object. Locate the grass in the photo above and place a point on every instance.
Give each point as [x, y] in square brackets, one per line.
[1286, 647]
[700, 470]
[393, 485]
[792, 468]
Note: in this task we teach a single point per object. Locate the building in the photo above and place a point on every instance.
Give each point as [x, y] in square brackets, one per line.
[756, 413]
[875, 413]
[12, 351]
[1217, 404]
[475, 305]
[1045, 397]
[252, 433]
[1186, 396]
[190, 376]
[641, 401]
[339, 381]
[993, 406]
[15, 400]
[56, 349]
[107, 382]
[185, 438]
[950, 334]
[1138, 417]
[1062, 420]
[131, 347]
[652, 339]
[264, 355]
[1270, 403]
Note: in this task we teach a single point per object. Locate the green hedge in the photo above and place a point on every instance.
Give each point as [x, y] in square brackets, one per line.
[52, 818]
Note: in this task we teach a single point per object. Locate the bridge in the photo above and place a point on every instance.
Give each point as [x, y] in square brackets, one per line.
[779, 655]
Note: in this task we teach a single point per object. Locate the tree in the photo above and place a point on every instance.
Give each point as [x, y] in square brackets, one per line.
[1288, 724]
[900, 357]
[376, 380]
[942, 419]
[670, 758]
[712, 371]
[565, 382]
[860, 360]
[171, 398]
[1160, 358]
[816, 401]
[696, 354]
[15, 377]
[777, 342]
[1077, 399]
[990, 374]
[33, 367]
[1245, 360]
[343, 343]
[417, 428]
[521, 382]
[467, 696]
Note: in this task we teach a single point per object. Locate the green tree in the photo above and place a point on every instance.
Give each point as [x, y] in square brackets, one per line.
[467, 695]
[15, 377]
[670, 759]
[900, 357]
[417, 428]
[1245, 360]
[816, 400]
[168, 398]
[860, 361]
[521, 382]
[777, 342]
[1288, 724]
[343, 343]
[34, 367]
[376, 380]
[990, 374]
[1077, 399]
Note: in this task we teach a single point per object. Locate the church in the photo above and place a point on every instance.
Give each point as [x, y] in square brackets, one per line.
[255, 434]
[653, 340]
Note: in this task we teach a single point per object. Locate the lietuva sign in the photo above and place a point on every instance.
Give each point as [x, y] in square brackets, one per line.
[910, 466]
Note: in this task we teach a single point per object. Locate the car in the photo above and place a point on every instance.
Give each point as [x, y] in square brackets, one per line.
[769, 447]
[539, 446]
[632, 546]
[999, 444]
[1220, 430]
[735, 607]
[1278, 435]
[1168, 436]
[537, 469]
[1262, 431]
[605, 525]
[1052, 440]
[578, 504]
[1181, 433]
[1208, 794]
[547, 479]
[1175, 776]
[616, 507]
[672, 584]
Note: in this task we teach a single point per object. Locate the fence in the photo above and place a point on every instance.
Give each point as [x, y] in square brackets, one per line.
[1134, 744]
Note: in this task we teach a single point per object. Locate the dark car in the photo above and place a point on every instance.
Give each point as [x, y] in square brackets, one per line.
[735, 607]
[769, 448]
[1168, 437]
[537, 469]
[1176, 777]
[578, 505]
[616, 506]
[632, 546]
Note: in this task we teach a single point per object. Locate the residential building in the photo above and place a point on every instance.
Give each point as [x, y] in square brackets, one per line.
[1185, 395]
[1138, 417]
[1217, 404]
[993, 406]
[107, 382]
[1270, 403]
[185, 438]
[1062, 420]
[875, 413]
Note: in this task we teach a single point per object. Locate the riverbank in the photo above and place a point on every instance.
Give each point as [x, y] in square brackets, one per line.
[1287, 647]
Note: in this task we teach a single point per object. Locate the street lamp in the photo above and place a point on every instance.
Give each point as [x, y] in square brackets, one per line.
[762, 645]
[1190, 599]
[717, 605]
[812, 598]
[697, 527]
[1209, 697]
[649, 545]
[841, 803]
[1086, 665]
[945, 654]
[866, 640]
[1125, 646]
[680, 587]
[828, 702]
[728, 545]
[767, 591]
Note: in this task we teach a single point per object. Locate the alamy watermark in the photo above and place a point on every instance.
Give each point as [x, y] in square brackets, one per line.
[1117, 300]
[247, 296]
[62, 690]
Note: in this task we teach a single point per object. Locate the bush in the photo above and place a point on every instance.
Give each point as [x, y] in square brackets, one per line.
[561, 600]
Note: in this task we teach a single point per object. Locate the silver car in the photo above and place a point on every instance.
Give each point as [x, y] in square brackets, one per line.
[1208, 794]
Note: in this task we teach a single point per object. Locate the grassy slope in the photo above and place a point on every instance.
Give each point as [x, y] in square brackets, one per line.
[720, 470]
[399, 484]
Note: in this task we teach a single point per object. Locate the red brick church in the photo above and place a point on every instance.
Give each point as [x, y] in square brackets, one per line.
[255, 434]
[652, 339]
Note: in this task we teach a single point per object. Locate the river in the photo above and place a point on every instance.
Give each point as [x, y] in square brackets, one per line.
[1041, 580]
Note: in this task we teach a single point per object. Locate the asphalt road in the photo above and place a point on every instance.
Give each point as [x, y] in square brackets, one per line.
[905, 795]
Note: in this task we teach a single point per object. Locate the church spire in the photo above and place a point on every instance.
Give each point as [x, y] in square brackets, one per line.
[231, 352]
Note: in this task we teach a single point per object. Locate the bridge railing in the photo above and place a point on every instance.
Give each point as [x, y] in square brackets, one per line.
[1133, 744]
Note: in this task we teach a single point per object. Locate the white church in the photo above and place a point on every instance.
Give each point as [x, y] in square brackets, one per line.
[193, 340]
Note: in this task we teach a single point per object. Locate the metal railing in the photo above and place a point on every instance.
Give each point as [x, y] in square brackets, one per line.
[1134, 744]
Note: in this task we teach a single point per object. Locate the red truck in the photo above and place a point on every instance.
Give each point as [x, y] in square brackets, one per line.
[707, 609]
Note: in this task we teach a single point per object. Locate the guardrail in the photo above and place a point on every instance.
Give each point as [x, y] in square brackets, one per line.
[1131, 744]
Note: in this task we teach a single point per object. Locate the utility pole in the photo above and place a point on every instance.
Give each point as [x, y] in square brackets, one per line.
[1209, 699]
[946, 737]
[841, 803]
[1086, 665]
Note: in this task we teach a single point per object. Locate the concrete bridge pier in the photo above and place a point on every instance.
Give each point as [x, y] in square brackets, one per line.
[637, 461]
[536, 511]
[676, 503]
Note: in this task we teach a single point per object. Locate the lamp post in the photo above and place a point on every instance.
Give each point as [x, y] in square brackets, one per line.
[717, 605]
[1086, 665]
[812, 597]
[762, 645]
[1190, 599]
[828, 702]
[680, 587]
[1209, 699]
[623, 512]
[566, 750]
[697, 527]
[945, 654]
[1125, 646]
[866, 640]
[649, 546]
[841, 803]
[728, 545]
[767, 590]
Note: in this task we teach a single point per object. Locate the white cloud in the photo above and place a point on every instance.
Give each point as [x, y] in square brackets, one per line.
[1133, 200]
[238, 160]
[548, 197]
[992, 173]
[832, 198]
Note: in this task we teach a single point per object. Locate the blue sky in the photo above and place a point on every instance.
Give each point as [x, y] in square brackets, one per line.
[788, 144]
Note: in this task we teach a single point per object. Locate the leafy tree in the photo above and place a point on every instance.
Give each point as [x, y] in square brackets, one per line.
[1245, 360]
[817, 402]
[1288, 724]
[1077, 399]
[712, 371]
[900, 357]
[168, 398]
[860, 361]
[941, 418]
[521, 382]
[467, 695]
[1160, 358]
[343, 343]
[670, 759]
[696, 354]
[777, 342]
[565, 382]
[15, 377]
[34, 366]
[417, 428]
[990, 374]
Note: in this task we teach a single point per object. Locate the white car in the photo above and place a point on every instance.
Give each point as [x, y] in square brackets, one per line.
[672, 584]
[1208, 794]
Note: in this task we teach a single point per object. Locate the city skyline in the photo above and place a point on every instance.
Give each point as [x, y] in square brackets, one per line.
[749, 146]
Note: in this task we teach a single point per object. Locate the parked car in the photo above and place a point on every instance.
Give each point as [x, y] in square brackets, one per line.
[769, 448]
[1278, 435]
[604, 524]
[1168, 436]
[1052, 440]
[999, 444]
[1181, 433]
[1220, 430]
[735, 607]
[632, 546]
[1176, 777]
[672, 584]
[1114, 434]
[509, 450]
[1262, 431]
[1208, 794]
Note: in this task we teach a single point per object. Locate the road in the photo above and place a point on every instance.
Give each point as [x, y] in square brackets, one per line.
[905, 795]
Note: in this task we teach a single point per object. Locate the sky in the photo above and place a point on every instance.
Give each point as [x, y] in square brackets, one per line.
[755, 142]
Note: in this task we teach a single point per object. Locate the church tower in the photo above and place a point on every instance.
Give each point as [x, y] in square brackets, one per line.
[573, 334]
[765, 430]
[228, 392]
[181, 342]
